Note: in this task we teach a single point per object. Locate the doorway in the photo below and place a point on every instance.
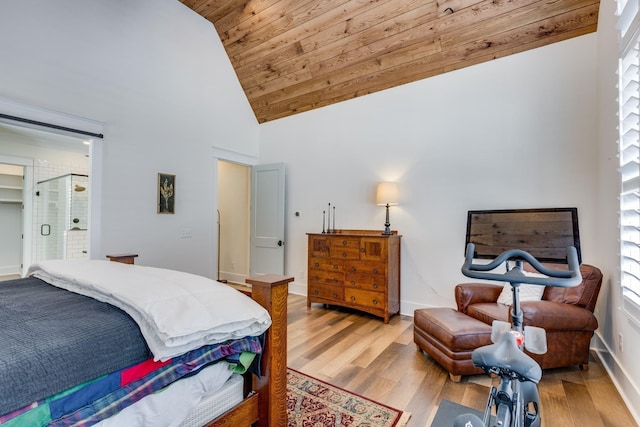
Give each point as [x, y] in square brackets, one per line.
[11, 219]
[234, 189]
[34, 155]
[252, 196]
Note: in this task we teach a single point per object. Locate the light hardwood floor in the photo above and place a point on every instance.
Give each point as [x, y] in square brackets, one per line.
[361, 354]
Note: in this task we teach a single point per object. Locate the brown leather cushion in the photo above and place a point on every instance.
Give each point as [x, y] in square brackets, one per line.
[584, 295]
[488, 312]
[549, 315]
[455, 330]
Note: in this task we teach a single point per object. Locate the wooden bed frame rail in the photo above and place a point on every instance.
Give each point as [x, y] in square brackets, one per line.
[266, 405]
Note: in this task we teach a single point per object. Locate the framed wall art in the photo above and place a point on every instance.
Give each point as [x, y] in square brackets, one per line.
[166, 193]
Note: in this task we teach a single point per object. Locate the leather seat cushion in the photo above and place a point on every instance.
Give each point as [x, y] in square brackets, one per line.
[456, 331]
[488, 312]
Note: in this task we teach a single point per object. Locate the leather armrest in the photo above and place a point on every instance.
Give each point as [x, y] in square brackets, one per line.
[557, 316]
[473, 293]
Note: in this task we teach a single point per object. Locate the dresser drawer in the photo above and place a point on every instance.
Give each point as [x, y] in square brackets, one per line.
[342, 247]
[365, 267]
[344, 242]
[335, 293]
[370, 282]
[344, 253]
[326, 277]
[318, 246]
[329, 264]
[364, 298]
[373, 249]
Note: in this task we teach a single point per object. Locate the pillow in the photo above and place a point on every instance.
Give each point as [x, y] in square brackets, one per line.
[527, 292]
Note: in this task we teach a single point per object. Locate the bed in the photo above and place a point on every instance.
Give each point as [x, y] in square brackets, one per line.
[130, 337]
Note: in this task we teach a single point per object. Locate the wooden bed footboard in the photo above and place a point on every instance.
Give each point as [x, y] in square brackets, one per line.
[267, 404]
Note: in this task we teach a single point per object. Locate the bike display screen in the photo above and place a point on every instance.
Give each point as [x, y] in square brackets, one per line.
[544, 233]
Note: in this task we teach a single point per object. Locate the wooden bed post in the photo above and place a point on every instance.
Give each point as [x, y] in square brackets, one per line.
[271, 291]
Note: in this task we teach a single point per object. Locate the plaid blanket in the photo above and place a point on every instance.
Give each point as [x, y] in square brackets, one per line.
[95, 400]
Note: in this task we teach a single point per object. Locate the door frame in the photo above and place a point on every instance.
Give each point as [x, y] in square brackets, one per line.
[230, 156]
[27, 205]
[63, 124]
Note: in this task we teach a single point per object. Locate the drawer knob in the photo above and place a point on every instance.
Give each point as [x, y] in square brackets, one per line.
[375, 286]
[344, 243]
[335, 295]
[336, 266]
[353, 282]
[362, 250]
[316, 278]
[316, 291]
[353, 269]
[353, 298]
[335, 280]
[375, 301]
[317, 264]
[375, 271]
[344, 254]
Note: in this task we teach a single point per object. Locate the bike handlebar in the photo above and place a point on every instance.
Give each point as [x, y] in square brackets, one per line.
[560, 278]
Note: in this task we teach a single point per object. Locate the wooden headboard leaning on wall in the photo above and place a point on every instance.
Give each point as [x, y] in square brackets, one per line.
[544, 233]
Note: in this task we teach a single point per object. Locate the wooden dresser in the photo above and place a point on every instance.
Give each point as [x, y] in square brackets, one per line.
[359, 269]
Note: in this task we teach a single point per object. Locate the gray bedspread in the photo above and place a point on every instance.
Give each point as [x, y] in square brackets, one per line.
[52, 339]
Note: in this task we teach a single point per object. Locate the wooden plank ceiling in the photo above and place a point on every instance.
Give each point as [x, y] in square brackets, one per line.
[292, 56]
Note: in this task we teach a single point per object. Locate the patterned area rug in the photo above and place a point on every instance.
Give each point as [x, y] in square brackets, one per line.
[315, 403]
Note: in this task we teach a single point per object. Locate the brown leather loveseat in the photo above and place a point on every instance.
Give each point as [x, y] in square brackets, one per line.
[449, 336]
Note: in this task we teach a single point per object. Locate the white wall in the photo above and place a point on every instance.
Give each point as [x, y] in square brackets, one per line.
[620, 358]
[518, 132]
[156, 74]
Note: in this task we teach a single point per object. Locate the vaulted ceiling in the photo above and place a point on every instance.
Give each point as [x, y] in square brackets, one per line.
[296, 55]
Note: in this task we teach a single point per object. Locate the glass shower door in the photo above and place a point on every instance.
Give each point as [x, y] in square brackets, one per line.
[52, 211]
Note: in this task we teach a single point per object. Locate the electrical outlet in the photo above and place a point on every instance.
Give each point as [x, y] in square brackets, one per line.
[186, 233]
[620, 346]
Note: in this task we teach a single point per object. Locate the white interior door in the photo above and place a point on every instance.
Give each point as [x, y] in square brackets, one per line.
[267, 219]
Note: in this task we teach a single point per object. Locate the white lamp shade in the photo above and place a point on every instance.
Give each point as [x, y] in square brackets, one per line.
[387, 193]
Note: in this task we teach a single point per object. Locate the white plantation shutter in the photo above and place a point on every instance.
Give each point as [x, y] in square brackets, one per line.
[629, 148]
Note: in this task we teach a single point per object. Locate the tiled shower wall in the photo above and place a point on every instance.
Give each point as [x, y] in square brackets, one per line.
[74, 242]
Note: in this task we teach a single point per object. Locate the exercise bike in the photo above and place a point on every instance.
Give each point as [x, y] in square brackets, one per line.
[515, 399]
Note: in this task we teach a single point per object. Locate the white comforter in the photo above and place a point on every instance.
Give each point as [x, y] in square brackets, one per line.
[177, 312]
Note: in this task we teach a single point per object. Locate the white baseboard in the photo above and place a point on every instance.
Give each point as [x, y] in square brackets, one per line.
[233, 277]
[5, 270]
[628, 389]
[297, 288]
[407, 308]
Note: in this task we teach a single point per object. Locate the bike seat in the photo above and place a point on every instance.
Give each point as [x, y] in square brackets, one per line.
[505, 355]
